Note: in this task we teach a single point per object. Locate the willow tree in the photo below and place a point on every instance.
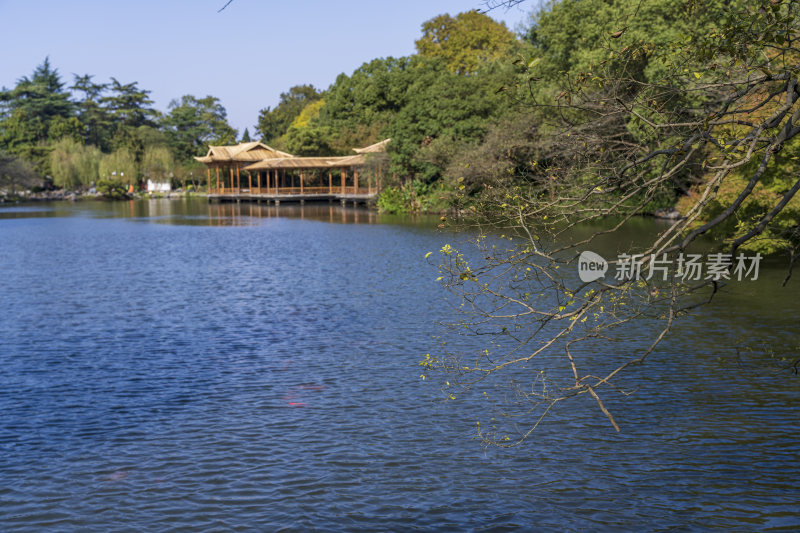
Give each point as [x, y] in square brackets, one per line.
[73, 164]
[118, 166]
[712, 114]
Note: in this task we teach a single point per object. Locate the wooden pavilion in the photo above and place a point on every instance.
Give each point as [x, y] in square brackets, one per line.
[307, 175]
[274, 175]
[232, 159]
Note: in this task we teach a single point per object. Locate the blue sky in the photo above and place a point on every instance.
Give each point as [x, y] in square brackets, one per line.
[246, 55]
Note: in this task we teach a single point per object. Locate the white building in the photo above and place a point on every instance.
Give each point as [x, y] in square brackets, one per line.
[158, 186]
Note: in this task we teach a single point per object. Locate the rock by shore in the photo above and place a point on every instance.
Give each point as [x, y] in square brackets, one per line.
[667, 213]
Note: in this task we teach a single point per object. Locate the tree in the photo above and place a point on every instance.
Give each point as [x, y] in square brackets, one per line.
[246, 136]
[157, 163]
[466, 41]
[41, 96]
[305, 136]
[128, 105]
[96, 119]
[193, 123]
[72, 164]
[29, 110]
[272, 123]
[442, 107]
[65, 128]
[119, 166]
[358, 108]
[712, 114]
[16, 173]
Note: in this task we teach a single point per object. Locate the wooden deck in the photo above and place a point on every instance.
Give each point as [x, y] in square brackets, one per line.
[293, 194]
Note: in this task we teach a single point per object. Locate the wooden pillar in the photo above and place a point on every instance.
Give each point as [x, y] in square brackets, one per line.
[208, 178]
[231, 171]
[302, 175]
[238, 181]
[330, 181]
[217, 169]
[250, 181]
[369, 182]
[344, 178]
[355, 181]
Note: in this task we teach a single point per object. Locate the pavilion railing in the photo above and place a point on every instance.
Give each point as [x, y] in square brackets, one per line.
[336, 190]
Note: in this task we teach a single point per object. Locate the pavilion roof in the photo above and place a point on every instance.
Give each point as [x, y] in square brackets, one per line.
[372, 148]
[242, 152]
[308, 162]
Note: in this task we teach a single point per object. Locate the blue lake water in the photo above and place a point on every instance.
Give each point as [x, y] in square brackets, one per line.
[180, 366]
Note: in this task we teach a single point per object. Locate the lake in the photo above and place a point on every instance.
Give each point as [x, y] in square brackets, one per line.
[174, 365]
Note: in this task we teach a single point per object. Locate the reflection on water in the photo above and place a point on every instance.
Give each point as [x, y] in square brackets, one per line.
[175, 365]
[200, 212]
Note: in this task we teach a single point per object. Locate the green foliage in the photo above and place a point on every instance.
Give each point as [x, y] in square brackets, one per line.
[112, 189]
[21, 134]
[97, 122]
[39, 98]
[28, 111]
[157, 163]
[442, 107]
[72, 164]
[194, 123]
[428, 110]
[783, 232]
[310, 112]
[415, 197]
[119, 166]
[16, 173]
[305, 137]
[129, 105]
[392, 200]
[65, 128]
[136, 141]
[106, 128]
[574, 36]
[466, 41]
[273, 123]
[308, 141]
[365, 102]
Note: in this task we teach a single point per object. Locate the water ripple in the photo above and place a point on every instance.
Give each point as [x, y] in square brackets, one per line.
[262, 376]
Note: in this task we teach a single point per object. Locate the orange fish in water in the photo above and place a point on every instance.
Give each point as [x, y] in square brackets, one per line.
[293, 394]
